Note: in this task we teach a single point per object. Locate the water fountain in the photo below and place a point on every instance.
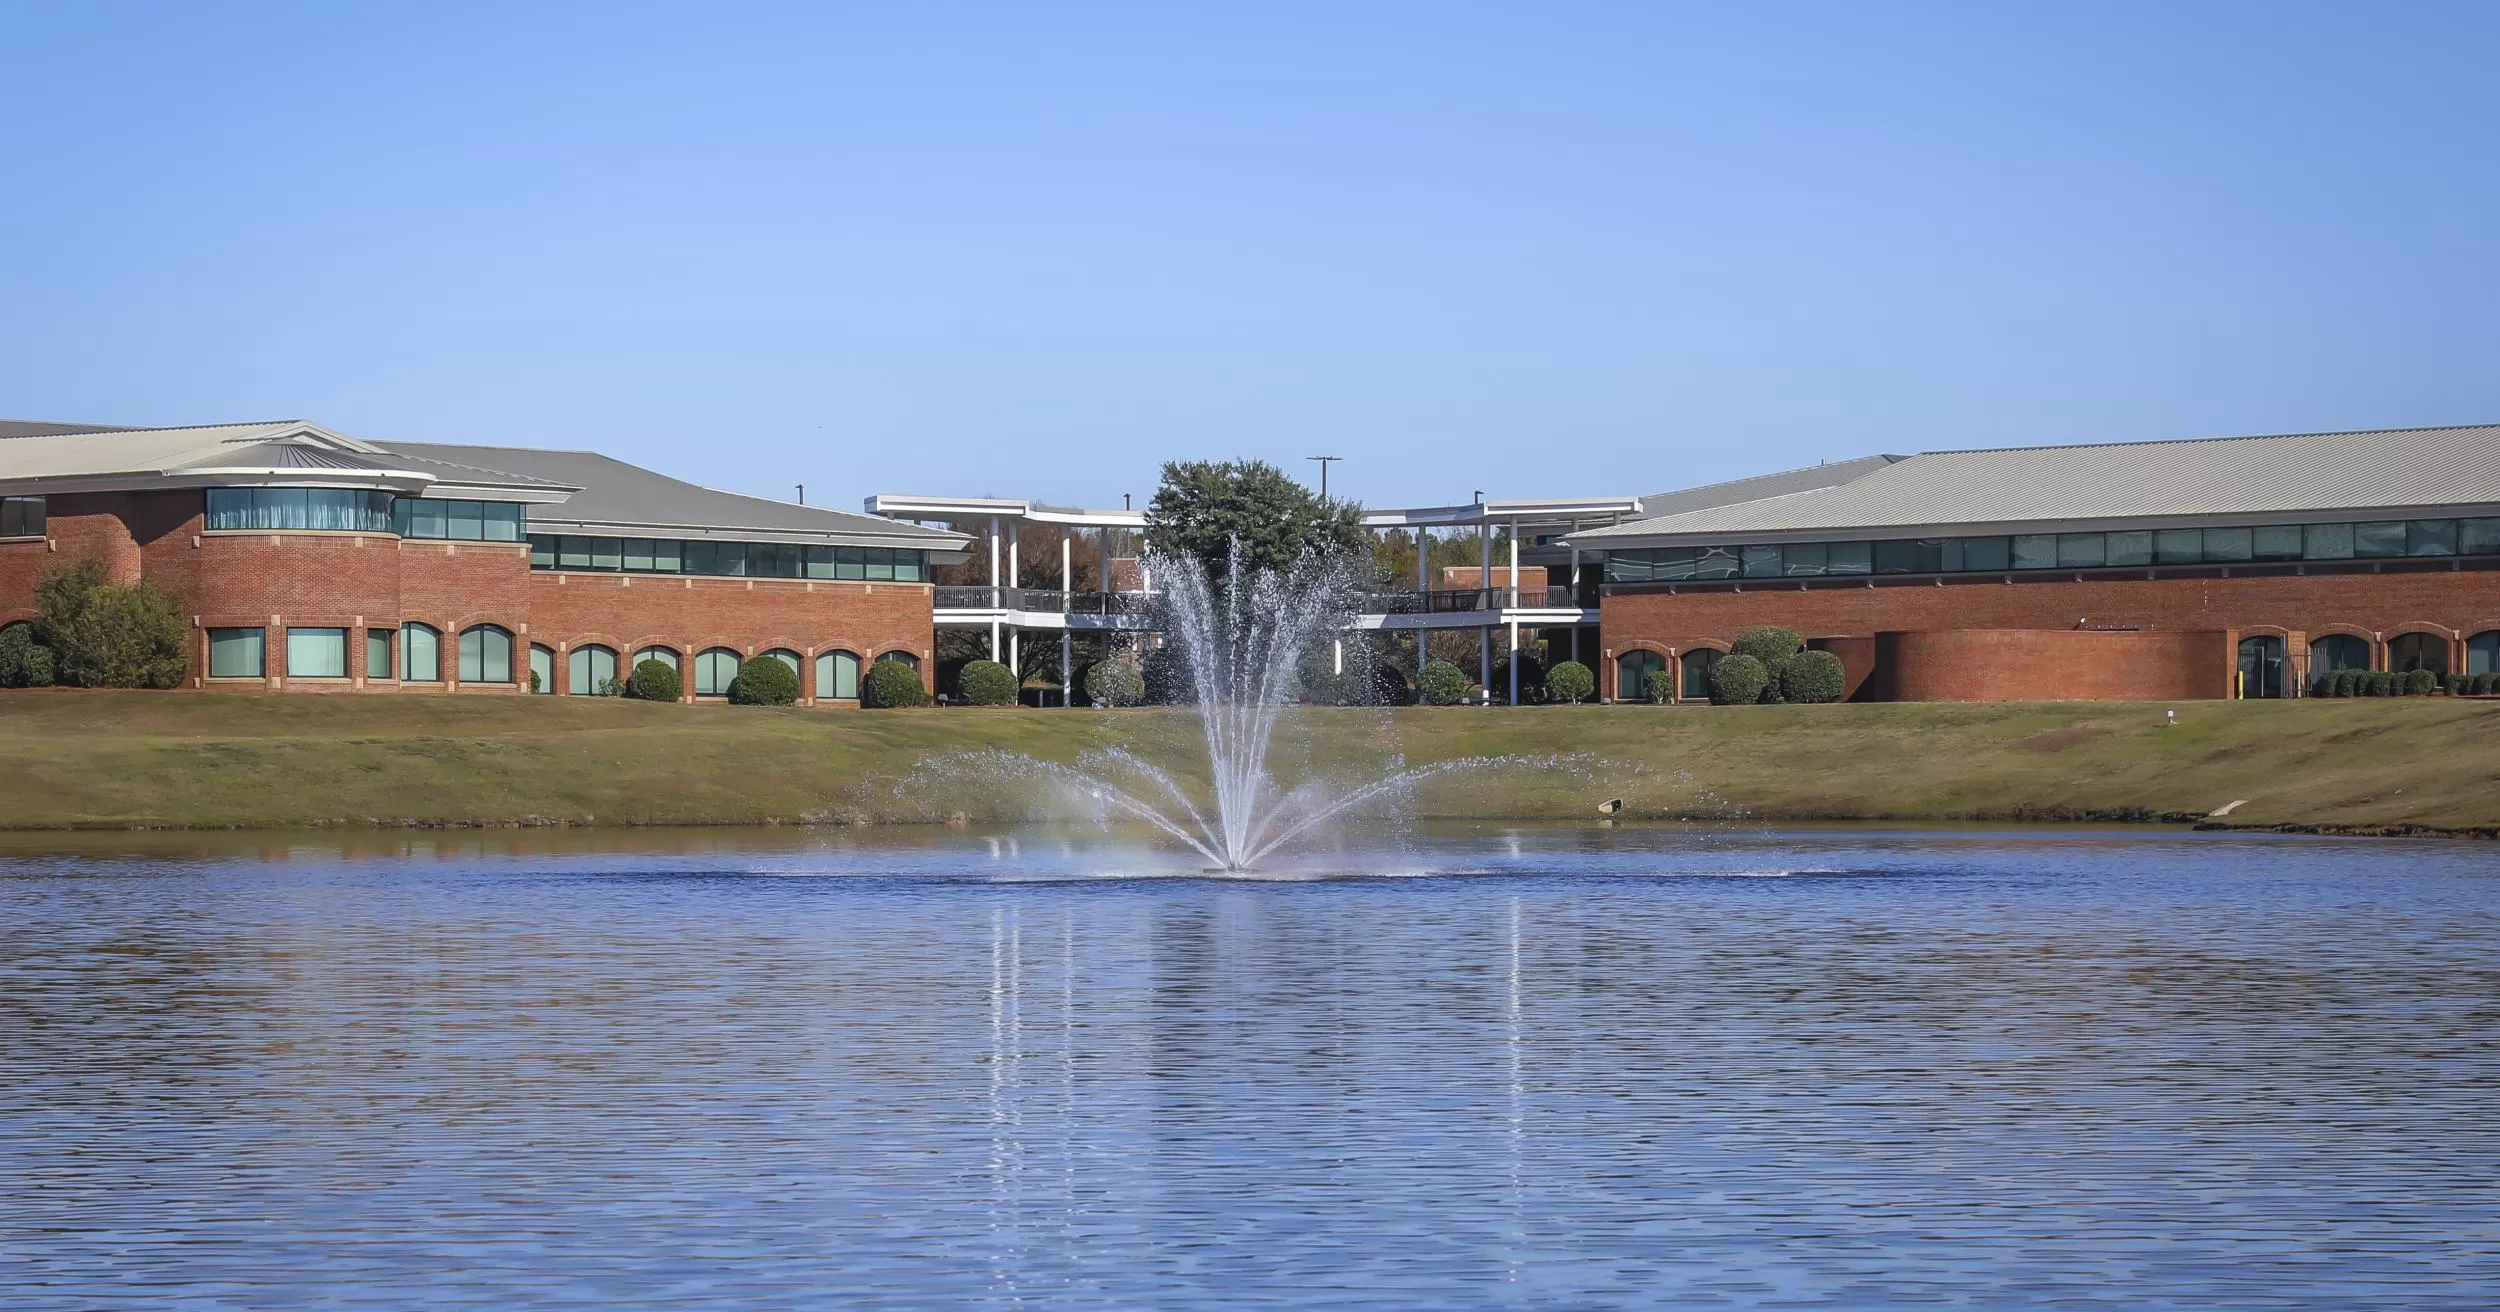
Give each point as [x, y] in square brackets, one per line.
[1239, 635]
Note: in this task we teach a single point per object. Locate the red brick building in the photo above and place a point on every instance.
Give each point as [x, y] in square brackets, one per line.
[2162, 570]
[309, 561]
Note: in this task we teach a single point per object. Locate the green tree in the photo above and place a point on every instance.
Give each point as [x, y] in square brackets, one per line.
[764, 681]
[892, 683]
[1444, 684]
[1738, 680]
[1204, 507]
[1572, 682]
[987, 683]
[109, 635]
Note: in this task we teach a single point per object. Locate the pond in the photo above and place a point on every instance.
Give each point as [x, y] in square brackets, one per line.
[1447, 1068]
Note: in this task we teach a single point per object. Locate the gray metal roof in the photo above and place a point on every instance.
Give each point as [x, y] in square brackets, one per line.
[622, 498]
[1813, 478]
[78, 458]
[44, 428]
[2289, 475]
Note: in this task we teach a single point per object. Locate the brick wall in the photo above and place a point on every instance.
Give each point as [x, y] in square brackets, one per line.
[2011, 665]
[2450, 598]
[359, 581]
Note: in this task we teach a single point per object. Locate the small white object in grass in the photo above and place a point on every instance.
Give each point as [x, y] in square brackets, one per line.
[1610, 806]
[2170, 719]
[2233, 806]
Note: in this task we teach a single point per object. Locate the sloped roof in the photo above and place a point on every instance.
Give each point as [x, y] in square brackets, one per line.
[617, 496]
[1812, 478]
[2291, 474]
[45, 428]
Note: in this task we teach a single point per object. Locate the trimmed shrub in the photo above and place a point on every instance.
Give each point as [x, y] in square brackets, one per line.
[764, 681]
[2382, 684]
[2452, 684]
[1810, 677]
[891, 683]
[1738, 680]
[2420, 683]
[654, 681]
[1387, 686]
[1769, 644]
[1115, 681]
[1570, 682]
[987, 683]
[1660, 688]
[1167, 677]
[1444, 684]
[22, 658]
[2486, 684]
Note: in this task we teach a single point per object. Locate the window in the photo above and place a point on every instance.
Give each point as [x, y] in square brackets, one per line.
[2178, 546]
[2279, 542]
[485, 655]
[420, 653]
[714, 671]
[316, 653]
[2478, 537]
[542, 553]
[2418, 651]
[1762, 562]
[2035, 551]
[344, 510]
[234, 654]
[1698, 665]
[1633, 672]
[542, 670]
[21, 517]
[2229, 546]
[2431, 537]
[2482, 653]
[378, 653]
[2337, 651]
[2386, 538]
[1805, 559]
[665, 655]
[837, 675]
[2131, 548]
[465, 521]
[2326, 542]
[786, 657]
[1979, 553]
[2080, 550]
[1851, 558]
[590, 670]
[903, 658]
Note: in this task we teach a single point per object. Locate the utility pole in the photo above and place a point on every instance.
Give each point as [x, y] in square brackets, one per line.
[1324, 463]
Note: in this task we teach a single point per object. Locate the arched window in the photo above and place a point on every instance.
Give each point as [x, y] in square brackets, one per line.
[1633, 671]
[2482, 653]
[664, 655]
[906, 659]
[2336, 651]
[786, 657]
[590, 671]
[1698, 663]
[2418, 651]
[837, 675]
[542, 670]
[714, 671]
[420, 653]
[485, 654]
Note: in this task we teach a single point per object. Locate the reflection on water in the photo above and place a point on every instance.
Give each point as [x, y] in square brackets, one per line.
[1555, 1068]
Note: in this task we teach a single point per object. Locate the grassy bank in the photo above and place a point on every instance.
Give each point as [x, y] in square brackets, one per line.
[113, 760]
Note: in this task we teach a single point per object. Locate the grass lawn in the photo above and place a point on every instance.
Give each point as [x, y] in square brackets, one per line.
[77, 759]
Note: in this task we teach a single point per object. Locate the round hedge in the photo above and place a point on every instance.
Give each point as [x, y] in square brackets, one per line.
[2420, 683]
[1769, 644]
[1115, 681]
[892, 683]
[1444, 684]
[1168, 681]
[1810, 677]
[654, 681]
[1738, 680]
[987, 683]
[1570, 682]
[763, 681]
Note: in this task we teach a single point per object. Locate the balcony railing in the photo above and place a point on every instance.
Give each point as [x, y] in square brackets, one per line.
[1437, 602]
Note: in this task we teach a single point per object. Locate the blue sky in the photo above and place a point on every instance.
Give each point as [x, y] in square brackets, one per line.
[1034, 249]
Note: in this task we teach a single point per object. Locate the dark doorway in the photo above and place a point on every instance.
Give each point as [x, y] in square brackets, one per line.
[2418, 651]
[2261, 667]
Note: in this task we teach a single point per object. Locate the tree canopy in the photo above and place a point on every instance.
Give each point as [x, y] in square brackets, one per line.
[1205, 506]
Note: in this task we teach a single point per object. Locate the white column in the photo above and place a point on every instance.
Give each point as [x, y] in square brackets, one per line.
[1338, 644]
[1514, 570]
[1067, 570]
[1514, 661]
[993, 578]
[1015, 649]
[1014, 557]
[1067, 658]
[993, 640]
[1423, 585]
[1484, 657]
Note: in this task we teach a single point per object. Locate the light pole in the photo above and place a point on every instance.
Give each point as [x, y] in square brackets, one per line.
[1324, 463]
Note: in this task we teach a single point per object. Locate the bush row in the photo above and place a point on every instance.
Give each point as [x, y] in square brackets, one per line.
[90, 632]
[2408, 683]
[1771, 664]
